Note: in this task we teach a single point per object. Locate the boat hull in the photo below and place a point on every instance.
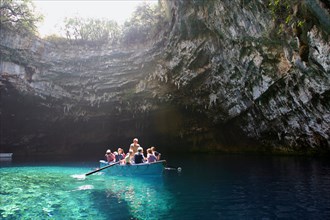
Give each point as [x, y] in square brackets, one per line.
[6, 155]
[149, 169]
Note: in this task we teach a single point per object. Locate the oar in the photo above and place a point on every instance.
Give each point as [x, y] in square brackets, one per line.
[179, 169]
[95, 171]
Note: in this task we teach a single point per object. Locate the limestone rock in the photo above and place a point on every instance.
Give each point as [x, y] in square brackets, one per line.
[216, 80]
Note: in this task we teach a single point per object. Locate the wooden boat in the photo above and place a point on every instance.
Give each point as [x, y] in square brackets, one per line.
[143, 169]
[6, 156]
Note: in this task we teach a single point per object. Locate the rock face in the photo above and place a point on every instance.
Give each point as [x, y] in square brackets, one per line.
[216, 79]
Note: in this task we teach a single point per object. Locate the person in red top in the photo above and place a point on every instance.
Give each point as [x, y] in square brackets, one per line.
[110, 156]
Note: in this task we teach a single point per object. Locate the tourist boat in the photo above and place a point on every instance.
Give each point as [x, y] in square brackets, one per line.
[6, 156]
[150, 169]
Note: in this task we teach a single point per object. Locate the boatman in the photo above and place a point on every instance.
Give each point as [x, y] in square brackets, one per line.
[135, 145]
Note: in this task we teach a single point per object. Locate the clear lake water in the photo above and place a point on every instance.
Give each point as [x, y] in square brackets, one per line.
[208, 187]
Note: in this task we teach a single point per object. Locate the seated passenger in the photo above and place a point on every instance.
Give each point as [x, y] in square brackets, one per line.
[121, 152]
[154, 152]
[109, 156]
[119, 156]
[138, 157]
[150, 157]
[129, 157]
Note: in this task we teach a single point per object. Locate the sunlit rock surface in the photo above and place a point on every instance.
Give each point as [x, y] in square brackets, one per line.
[215, 79]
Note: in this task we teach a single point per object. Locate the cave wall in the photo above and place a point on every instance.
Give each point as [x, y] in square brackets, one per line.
[217, 79]
[243, 74]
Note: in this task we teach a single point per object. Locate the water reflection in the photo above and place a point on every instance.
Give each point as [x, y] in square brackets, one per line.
[146, 197]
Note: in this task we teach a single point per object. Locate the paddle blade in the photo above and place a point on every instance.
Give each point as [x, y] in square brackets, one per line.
[79, 176]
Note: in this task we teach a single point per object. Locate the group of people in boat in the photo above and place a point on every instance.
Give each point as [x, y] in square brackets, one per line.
[135, 155]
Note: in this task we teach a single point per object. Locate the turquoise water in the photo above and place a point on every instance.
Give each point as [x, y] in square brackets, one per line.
[213, 187]
[59, 192]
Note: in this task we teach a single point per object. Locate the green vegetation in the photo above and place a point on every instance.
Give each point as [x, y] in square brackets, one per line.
[97, 30]
[287, 14]
[145, 23]
[19, 15]
[294, 18]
